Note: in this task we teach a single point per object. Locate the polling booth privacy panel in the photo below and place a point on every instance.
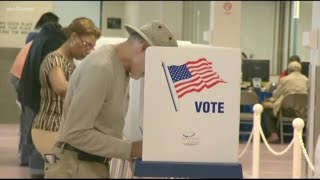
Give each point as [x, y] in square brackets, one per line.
[191, 104]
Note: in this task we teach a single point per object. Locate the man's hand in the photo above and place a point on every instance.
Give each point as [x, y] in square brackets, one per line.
[267, 104]
[136, 149]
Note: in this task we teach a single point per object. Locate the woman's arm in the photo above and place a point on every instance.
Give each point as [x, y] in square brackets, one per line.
[58, 81]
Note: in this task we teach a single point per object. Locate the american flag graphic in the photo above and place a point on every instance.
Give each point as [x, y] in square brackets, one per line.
[193, 76]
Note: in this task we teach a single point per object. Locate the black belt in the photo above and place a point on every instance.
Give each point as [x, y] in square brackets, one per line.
[83, 155]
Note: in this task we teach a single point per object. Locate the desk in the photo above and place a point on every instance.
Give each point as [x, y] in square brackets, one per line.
[264, 95]
[246, 85]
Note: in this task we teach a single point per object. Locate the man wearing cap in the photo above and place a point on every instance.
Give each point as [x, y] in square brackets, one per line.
[96, 103]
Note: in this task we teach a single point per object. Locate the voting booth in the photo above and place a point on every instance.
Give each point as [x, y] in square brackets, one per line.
[191, 113]
[194, 135]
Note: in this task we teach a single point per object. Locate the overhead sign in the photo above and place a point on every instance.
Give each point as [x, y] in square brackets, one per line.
[191, 104]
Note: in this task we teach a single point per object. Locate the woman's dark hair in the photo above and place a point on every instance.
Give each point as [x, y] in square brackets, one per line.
[291, 59]
[294, 58]
[46, 17]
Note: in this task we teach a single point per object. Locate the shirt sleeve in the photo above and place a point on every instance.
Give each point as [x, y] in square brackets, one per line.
[279, 91]
[54, 61]
[86, 103]
[17, 66]
[283, 73]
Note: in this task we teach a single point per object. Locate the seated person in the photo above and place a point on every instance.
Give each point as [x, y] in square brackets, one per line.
[293, 82]
[291, 59]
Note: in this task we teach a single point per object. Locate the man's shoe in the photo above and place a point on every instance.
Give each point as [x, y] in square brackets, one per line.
[37, 176]
[274, 138]
[24, 164]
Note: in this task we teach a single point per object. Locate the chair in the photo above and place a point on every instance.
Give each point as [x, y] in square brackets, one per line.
[292, 106]
[247, 98]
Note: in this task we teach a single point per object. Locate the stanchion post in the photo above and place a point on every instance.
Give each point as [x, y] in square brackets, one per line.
[298, 125]
[257, 108]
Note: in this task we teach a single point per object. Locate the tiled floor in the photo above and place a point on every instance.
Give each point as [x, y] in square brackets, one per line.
[9, 164]
[270, 166]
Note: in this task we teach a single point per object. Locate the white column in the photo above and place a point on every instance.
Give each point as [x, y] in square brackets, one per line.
[225, 21]
[312, 84]
[257, 109]
[140, 12]
[212, 3]
[298, 125]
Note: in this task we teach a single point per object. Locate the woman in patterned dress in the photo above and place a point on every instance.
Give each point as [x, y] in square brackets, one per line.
[55, 72]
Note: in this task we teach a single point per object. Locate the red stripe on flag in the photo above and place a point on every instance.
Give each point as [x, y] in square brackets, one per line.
[210, 76]
[197, 84]
[195, 79]
[200, 89]
[192, 80]
[198, 65]
[195, 70]
[197, 61]
[203, 73]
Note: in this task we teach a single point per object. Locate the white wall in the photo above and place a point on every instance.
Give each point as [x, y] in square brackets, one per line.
[171, 14]
[69, 10]
[304, 24]
[137, 13]
[257, 28]
[257, 25]
[140, 12]
[196, 17]
[113, 9]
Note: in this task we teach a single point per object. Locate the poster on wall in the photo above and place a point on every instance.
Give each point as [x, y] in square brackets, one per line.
[191, 104]
[18, 18]
[227, 23]
[114, 23]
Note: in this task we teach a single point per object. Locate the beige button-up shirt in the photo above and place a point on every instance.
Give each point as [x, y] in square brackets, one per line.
[294, 82]
[95, 106]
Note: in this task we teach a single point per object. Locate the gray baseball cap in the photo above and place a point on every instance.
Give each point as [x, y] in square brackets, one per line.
[155, 33]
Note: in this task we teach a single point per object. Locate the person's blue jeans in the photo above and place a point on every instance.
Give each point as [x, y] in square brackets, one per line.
[36, 162]
[23, 148]
[23, 151]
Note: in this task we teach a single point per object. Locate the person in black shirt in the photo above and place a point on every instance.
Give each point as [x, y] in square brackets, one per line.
[45, 18]
[50, 38]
